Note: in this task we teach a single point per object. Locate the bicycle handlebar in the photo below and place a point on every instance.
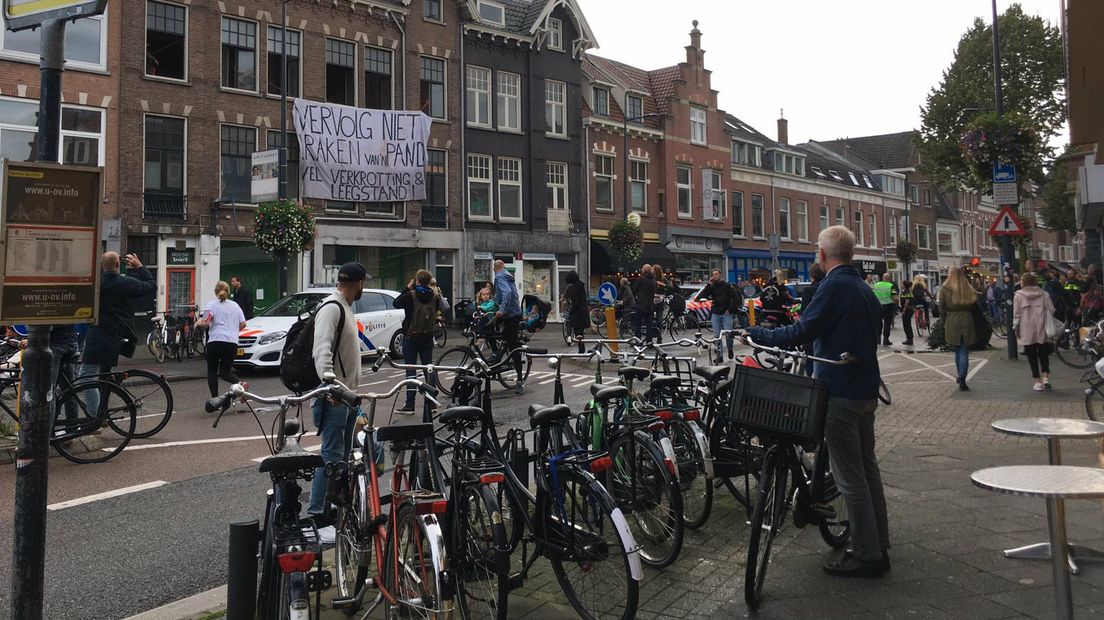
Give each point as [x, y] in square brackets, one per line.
[426, 389]
[844, 358]
[334, 389]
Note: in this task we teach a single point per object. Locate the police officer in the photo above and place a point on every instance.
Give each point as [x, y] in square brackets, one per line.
[886, 292]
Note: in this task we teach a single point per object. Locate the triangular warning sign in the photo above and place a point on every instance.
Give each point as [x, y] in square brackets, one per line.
[1007, 223]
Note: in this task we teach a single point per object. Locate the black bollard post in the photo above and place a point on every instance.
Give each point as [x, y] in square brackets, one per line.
[241, 578]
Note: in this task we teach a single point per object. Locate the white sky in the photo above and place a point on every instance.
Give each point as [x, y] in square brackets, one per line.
[838, 67]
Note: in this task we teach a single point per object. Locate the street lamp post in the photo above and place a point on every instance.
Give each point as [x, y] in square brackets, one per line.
[283, 180]
[625, 157]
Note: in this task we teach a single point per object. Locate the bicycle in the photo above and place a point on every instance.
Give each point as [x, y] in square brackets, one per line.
[920, 322]
[291, 551]
[464, 356]
[786, 412]
[157, 340]
[1080, 346]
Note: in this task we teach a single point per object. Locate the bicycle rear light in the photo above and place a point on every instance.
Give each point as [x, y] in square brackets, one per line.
[296, 561]
[691, 415]
[435, 507]
[492, 478]
[665, 414]
[670, 466]
[655, 427]
[600, 464]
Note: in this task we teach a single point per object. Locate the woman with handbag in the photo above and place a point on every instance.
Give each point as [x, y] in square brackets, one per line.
[957, 300]
[1032, 315]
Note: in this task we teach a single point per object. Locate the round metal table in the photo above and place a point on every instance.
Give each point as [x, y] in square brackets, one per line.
[1055, 483]
[1053, 430]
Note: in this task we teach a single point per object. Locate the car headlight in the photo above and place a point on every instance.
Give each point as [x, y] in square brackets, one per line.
[270, 338]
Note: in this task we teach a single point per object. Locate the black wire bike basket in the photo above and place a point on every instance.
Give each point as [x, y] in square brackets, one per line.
[779, 405]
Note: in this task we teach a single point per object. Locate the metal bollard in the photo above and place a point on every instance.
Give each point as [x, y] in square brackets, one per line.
[751, 312]
[241, 578]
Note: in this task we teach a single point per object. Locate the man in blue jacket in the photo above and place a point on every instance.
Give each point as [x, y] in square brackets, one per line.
[844, 316]
[509, 314]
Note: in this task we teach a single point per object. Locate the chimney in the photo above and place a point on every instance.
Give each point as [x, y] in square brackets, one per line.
[694, 50]
[783, 128]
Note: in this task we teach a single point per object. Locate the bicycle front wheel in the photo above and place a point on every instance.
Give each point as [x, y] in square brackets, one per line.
[78, 433]
[1094, 401]
[353, 546]
[883, 393]
[413, 566]
[440, 336]
[645, 490]
[153, 401]
[1073, 351]
[480, 562]
[598, 570]
[766, 519]
[456, 357]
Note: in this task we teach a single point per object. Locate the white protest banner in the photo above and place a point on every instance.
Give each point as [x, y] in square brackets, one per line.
[359, 155]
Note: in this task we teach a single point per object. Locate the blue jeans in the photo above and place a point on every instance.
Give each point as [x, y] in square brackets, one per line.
[721, 322]
[336, 422]
[849, 433]
[994, 309]
[92, 397]
[62, 363]
[962, 360]
[416, 348]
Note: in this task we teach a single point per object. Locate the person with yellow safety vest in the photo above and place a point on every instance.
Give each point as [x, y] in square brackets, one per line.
[886, 292]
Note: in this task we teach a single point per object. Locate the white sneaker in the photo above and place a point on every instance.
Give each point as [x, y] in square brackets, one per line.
[1038, 387]
[327, 535]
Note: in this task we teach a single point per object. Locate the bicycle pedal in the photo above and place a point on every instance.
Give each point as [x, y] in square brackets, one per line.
[318, 581]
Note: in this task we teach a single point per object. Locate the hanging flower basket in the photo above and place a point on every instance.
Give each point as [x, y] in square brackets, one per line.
[1009, 138]
[627, 240]
[283, 227]
[906, 252]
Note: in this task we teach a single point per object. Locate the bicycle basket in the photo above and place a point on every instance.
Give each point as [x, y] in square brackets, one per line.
[780, 405]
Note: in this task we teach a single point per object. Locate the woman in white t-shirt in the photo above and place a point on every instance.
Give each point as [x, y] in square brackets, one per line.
[223, 319]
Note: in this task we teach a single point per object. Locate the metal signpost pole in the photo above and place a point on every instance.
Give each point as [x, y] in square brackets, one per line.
[1008, 251]
[32, 462]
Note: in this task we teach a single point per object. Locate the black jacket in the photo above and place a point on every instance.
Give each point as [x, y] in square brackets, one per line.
[405, 302]
[807, 294]
[725, 297]
[580, 307]
[116, 317]
[244, 298]
[645, 291]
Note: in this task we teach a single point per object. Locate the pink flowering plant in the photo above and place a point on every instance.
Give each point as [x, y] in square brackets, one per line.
[1010, 138]
[626, 240]
[283, 227]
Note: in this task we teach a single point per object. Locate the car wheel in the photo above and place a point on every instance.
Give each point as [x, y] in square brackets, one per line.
[396, 345]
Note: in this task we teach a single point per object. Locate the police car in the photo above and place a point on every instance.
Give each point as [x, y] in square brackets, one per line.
[261, 342]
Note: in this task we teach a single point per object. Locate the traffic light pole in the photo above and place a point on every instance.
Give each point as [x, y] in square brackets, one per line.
[31, 458]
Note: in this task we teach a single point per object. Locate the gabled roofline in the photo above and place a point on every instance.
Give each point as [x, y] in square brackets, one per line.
[581, 24]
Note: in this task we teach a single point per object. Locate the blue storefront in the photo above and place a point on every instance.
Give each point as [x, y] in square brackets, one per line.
[755, 264]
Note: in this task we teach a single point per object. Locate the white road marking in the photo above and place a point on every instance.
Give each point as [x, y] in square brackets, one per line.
[930, 367]
[308, 449]
[106, 495]
[191, 442]
[979, 366]
[548, 380]
[906, 372]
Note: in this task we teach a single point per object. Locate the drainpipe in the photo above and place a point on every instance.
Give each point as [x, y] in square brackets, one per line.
[402, 36]
[465, 248]
[586, 180]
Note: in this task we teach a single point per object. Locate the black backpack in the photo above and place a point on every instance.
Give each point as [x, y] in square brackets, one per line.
[297, 361]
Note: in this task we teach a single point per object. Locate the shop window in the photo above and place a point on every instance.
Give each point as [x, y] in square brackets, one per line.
[166, 40]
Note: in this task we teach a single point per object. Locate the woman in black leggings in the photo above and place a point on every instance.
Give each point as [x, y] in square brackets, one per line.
[223, 319]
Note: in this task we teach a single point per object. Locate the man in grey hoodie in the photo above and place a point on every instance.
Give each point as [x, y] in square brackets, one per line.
[509, 314]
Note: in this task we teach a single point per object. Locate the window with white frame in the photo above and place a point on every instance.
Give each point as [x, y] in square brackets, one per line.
[854, 181]
[923, 236]
[737, 214]
[555, 110]
[509, 101]
[914, 190]
[340, 71]
[275, 61]
[945, 241]
[873, 229]
[835, 175]
[685, 195]
[893, 185]
[1065, 253]
[801, 220]
[757, 216]
[377, 79]
[557, 185]
[840, 216]
[634, 107]
[739, 152]
[239, 54]
[784, 218]
[825, 218]
[509, 188]
[555, 34]
[603, 183]
[480, 203]
[698, 133]
[599, 96]
[638, 185]
[860, 238]
[893, 230]
[85, 43]
[237, 147]
[166, 40]
[755, 155]
[790, 164]
[717, 209]
[432, 10]
[479, 96]
[492, 13]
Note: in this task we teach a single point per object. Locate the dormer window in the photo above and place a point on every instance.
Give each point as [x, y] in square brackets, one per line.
[790, 164]
[869, 183]
[853, 179]
[492, 13]
[835, 175]
[600, 99]
[555, 34]
[634, 107]
[817, 171]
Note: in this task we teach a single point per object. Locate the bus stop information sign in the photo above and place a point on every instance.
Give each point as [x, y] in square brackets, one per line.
[23, 14]
[50, 241]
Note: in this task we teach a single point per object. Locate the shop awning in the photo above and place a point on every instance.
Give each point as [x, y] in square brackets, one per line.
[603, 260]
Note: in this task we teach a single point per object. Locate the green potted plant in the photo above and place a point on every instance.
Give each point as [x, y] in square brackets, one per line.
[627, 241]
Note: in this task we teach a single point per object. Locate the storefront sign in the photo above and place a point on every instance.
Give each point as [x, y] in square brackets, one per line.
[535, 256]
[359, 155]
[20, 14]
[483, 256]
[868, 266]
[265, 185]
[180, 257]
[48, 225]
[680, 243]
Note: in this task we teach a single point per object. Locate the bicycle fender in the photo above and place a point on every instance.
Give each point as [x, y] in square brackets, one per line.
[435, 539]
[629, 543]
[703, 445]
[669, 453]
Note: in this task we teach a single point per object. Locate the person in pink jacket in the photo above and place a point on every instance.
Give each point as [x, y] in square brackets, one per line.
[1031, 308]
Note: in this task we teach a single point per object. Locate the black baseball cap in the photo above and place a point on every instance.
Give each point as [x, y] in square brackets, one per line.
[352, 272]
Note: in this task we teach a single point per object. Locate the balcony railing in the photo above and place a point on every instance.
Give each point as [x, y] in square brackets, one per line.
[559, 221]
[164, 207]
[434, 216]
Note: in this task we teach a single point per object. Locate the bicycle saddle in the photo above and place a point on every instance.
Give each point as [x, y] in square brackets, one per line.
[461, 414]
[660, 383]
[405, 432]
[291, 458]
[539, 415]
[633, 372]
[606, 393]
[713, 374]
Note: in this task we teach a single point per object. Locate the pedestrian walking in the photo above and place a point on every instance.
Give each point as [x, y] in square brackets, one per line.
[659, 308]
[956, 303]
[844, 317]
[337, 351]
[906, 311]
[242, 296]
[921, 296]
[726, 299]
[420, 304]
[1031, 309]
[994, 295]
[578, 314]
[509, 315]
[886, 292]
[113, 335]
[776, 299]
[627, 300]
[645, 303]
[223, 319]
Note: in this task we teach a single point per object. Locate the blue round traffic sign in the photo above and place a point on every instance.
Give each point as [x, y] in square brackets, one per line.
[607, 293]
